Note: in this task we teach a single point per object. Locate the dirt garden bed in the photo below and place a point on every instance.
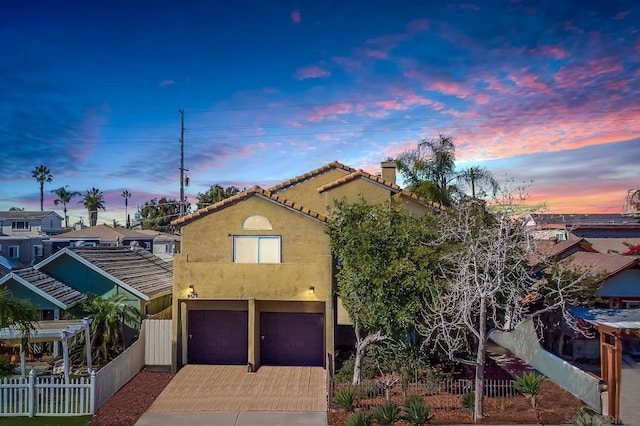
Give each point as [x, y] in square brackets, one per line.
[555, 406]
[132, 400]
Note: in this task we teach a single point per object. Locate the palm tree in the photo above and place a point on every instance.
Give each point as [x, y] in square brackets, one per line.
[93, 201]
[430, 168]
[479, 176]
[126, 194]
[42, 174]
[109, 316]
[64, 198]
[17, 313]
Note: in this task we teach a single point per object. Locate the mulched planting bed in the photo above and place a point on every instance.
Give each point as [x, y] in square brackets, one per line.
[132, 400]
[555, 406]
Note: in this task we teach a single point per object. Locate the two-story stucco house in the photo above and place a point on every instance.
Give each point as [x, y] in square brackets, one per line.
[22, 236]
[254, 282]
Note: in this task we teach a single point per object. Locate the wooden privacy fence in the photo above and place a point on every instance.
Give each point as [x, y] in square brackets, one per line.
[442, 394]
[47, 396]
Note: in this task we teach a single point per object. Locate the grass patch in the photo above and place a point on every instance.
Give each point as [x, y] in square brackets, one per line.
[46, 421]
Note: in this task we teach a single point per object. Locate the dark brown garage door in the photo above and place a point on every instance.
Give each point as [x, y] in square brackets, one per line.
[291, 338]
[218, 337]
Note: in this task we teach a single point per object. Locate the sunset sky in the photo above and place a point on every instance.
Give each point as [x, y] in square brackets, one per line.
[545, 92]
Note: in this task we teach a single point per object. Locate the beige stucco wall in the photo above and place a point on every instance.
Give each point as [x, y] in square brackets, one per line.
[206, 262]
[306, 193]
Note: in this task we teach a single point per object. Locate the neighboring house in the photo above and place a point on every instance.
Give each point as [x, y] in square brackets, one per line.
[618, 276]
[22, 236]
[164, 245]
[100, 235]
[49, 296]
[143, 278]
[255, 281]
[32, 223]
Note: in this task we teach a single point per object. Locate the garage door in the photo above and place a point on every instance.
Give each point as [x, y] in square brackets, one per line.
[291, 338]
[217, 337]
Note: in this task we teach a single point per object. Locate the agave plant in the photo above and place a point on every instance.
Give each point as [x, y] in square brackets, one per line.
[386, 413]
[584, 418]
[416, 412]
[529, 385]
[359, 419]
[343, 398]
[468, 401]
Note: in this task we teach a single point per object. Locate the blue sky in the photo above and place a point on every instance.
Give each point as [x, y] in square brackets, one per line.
[539, 91]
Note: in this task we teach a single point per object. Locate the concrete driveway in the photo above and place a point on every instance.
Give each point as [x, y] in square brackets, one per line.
[228, 395]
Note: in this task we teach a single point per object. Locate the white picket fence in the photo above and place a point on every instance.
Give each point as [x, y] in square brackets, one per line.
[47, 396]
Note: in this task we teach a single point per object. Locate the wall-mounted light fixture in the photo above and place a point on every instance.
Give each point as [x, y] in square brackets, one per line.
[312, 290]
[192, 293]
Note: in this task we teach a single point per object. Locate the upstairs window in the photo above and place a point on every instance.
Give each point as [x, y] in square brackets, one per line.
[256, 249]
[14, 252]
[19, 224]
[257, 223]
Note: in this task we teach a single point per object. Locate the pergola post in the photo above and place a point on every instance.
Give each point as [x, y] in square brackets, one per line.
[23, 363]
[65, 356]
[87, 342]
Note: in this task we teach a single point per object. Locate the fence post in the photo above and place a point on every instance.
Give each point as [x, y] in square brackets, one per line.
[32, 393]
[92, 392]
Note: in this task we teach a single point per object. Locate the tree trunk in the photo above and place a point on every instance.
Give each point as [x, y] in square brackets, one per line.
[480, 361]
[66, 218]
[361, 348]
[357, 367]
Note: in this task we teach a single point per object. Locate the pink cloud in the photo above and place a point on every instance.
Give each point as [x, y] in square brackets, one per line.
[530, 81]
[331, 111]
[621, 15]
[575, 76]
[555, 51]
[311, 72]
[417, 26]
[348, 64]
[165, 83]
[378, 54]
[296, 18]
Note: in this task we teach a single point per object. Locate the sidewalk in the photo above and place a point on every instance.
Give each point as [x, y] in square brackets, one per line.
[234, 418]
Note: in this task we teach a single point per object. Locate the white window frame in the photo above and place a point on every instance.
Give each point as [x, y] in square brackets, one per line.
[259, 258]
[631, 304]
[25, 225]
[16, 255]
[561, 236]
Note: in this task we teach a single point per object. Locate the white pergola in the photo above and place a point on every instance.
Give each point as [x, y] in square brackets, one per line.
[51, 331]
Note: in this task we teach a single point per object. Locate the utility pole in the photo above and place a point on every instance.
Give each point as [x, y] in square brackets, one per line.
[182, 169]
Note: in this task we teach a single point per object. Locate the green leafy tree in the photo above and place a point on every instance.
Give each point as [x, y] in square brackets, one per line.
[42, 174]
[64, 197]
[109, 316]
[17, 313]
[16, 209]
[93, 200]
[214, 194]
[385, 269]
[157, 214]
[429, 170]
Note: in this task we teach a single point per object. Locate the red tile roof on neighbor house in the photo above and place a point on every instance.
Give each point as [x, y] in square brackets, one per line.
[296, 180]
[255, 191]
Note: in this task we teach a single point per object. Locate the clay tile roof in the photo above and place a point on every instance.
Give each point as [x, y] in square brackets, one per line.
[600, 263]
[138, 269]
[105, 233]
[327, 167]
[61, 292]
[356, 174]
[256, 190]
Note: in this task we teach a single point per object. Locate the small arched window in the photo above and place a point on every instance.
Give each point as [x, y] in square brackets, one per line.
[256, 223]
